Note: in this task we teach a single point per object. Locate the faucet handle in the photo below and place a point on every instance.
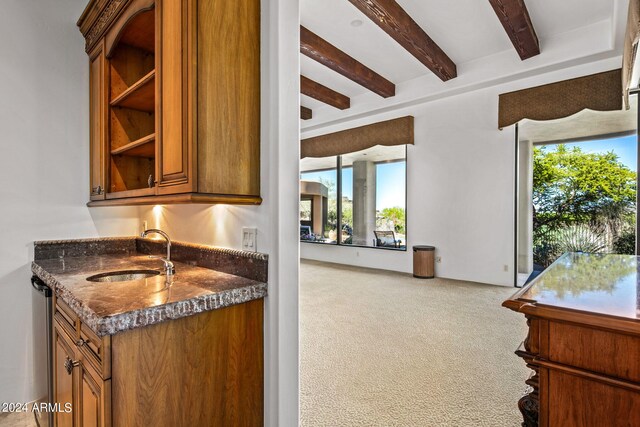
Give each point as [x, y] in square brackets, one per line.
[169, 267]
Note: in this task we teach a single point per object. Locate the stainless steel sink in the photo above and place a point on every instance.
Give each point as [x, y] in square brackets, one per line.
[123, 275]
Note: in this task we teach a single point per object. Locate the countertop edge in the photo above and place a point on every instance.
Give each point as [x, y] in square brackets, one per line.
[149, 316]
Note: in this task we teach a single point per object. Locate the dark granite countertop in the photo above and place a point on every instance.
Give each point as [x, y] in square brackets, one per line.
[111, 307]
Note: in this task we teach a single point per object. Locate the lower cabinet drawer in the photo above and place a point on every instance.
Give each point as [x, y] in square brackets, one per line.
[604, 352]
[66, 317]
[96, 351]
[574, 401]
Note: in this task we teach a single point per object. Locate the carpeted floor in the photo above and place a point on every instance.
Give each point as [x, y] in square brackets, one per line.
[17, 419]
[385, 349]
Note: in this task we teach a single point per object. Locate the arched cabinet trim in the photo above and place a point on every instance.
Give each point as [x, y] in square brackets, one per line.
[139, 15]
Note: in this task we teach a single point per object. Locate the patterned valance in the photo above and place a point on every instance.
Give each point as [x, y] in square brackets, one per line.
[600, 92]
[391, 132]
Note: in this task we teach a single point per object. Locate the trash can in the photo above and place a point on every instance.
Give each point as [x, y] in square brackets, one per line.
[423, 258]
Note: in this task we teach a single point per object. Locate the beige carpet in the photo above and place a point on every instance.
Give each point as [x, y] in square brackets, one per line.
[17, 419]
[385, 349]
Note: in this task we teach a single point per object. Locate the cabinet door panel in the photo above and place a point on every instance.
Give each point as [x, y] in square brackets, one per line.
[98, 121]
[94, 397]
[228, 131]
[90, 409]
[174, 164]
[64, 382]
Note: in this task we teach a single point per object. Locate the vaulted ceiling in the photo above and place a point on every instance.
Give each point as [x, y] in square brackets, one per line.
[431, 40]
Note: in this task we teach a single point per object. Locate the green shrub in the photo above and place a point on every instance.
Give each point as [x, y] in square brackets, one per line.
[625, 243]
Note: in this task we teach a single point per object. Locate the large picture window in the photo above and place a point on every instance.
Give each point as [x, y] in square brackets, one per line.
[358, 199]
[576, 188]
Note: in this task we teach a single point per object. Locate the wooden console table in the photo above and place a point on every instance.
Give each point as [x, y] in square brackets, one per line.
[583, 343]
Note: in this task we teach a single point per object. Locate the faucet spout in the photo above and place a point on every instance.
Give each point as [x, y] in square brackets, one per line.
[168, 265]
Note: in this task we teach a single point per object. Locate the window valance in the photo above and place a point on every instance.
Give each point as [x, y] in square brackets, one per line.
[391, 132]
[600, 92]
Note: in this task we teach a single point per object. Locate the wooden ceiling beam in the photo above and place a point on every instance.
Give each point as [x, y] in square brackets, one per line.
[323, 94]
[318, 49]
[305, 113]
[517, 23]
[396, 22]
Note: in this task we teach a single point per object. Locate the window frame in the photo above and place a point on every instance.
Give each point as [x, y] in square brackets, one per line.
[339, 224]
[516, 190]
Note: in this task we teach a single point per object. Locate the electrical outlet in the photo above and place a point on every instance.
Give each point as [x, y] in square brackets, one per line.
[249, 242]
[505, 267]
[438, 259]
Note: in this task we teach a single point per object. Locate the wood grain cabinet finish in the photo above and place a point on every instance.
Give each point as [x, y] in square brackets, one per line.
[175, 101]
[97, 121]
[583, 342]
[582, 375]
[200, 370]
[64, 381]
[82, 393]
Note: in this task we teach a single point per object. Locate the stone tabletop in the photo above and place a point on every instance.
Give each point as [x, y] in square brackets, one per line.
[108, 308]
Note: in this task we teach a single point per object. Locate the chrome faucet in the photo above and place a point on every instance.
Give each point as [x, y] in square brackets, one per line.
[169, 268]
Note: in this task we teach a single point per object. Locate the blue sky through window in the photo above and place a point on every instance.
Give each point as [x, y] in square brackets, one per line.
[328, 176]
[390, 183]
[625, 147]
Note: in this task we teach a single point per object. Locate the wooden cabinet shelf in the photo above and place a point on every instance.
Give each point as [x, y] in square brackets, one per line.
[140, 96]
[143, 147]
[194, 137]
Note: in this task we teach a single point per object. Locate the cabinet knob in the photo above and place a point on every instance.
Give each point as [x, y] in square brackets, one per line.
[97, 190]
[80, 342]
[70, 364]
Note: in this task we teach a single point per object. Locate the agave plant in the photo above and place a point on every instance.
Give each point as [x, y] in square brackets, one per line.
[583, 237]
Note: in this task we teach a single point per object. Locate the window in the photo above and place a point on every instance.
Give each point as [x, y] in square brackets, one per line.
[318, 198]
[370, 197]
[576, 188]
[305, 211]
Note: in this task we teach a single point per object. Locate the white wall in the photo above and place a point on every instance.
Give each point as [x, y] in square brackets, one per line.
[44, 170]
[460, 184]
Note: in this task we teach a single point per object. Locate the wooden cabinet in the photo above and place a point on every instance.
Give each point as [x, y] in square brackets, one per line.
[583, 343]
[584, 375]
[174, 101]
[83, 395]
[205, 369]
[97, 121]
[63, 379]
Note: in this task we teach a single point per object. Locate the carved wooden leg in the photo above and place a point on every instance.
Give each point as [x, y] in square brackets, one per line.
[529, 403]
[529, 408]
